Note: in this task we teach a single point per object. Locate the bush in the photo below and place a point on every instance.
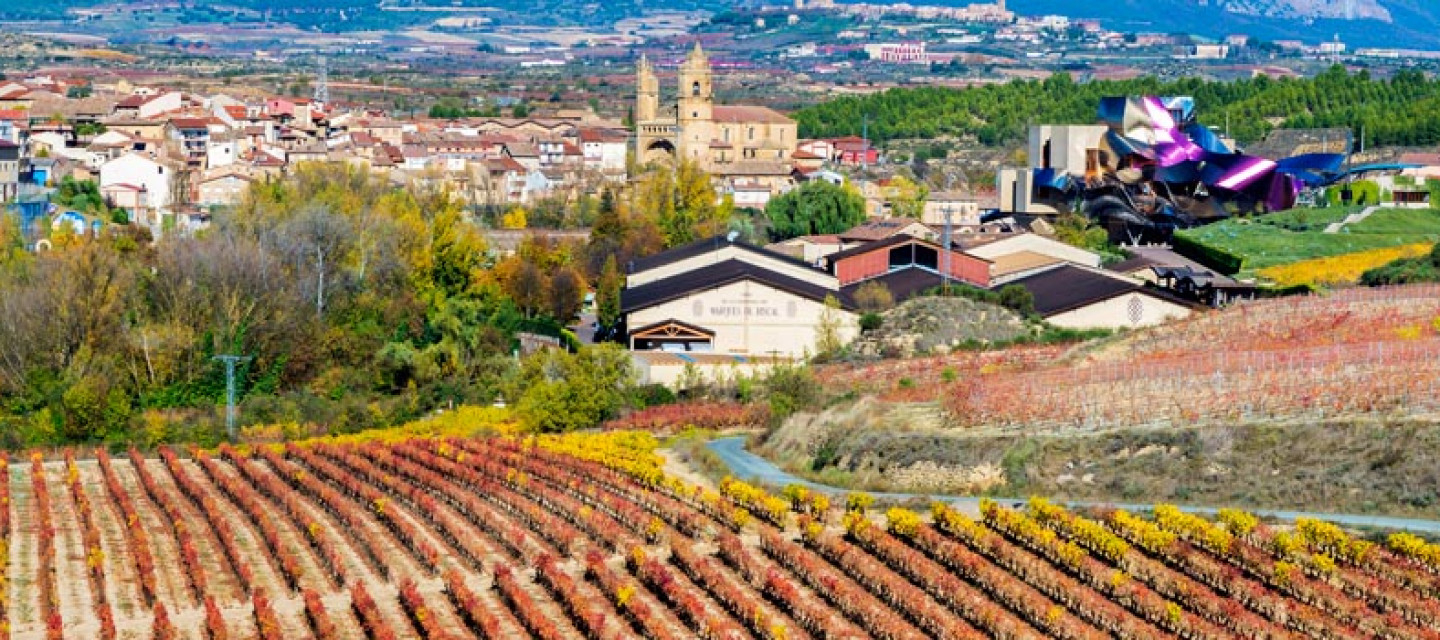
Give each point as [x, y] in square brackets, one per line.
[1215, 258]
[653, 395]
[1017, 299]
[873, 296]
[871, 321]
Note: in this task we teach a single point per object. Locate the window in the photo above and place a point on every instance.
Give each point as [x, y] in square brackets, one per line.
[695, 89]
[752, 133]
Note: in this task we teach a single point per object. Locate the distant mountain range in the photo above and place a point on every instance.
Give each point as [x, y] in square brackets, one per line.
[1403, 24]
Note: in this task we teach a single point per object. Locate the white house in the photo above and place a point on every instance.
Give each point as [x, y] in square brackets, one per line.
[996, 248]
[145, 174]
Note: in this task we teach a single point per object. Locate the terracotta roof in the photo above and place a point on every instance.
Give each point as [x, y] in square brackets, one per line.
[735, 113]
[14, 114]
[190, 123]
[878, 229]
[1426, 159]
[805, 155]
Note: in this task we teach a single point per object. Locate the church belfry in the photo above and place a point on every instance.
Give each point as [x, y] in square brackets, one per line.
[647, 91]
[696, 96]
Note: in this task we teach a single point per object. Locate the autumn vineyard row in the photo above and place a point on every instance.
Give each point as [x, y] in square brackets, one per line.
[582, 536]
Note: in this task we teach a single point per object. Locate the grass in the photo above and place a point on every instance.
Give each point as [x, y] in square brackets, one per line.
[1294, 236]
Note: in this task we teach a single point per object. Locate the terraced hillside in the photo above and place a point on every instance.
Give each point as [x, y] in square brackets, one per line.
[584, 537]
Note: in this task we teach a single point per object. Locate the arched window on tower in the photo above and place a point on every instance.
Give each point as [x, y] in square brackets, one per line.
[695, 89]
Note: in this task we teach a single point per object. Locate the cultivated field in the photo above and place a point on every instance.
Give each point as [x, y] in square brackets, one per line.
[583, 537]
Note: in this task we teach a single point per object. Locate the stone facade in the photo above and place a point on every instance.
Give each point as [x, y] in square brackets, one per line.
[738, 145]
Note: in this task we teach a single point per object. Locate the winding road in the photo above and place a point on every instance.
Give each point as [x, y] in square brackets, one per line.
[752, 468]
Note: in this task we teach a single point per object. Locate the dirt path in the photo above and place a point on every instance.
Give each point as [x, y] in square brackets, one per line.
[122, 579]
[674, 467]
[72, 579]
[24, 554]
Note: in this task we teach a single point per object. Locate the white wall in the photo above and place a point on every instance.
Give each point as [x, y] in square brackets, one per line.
[141, 172]
[1115, 313]
[750, 318]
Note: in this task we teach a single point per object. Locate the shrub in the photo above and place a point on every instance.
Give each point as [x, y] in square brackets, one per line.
[871, 321]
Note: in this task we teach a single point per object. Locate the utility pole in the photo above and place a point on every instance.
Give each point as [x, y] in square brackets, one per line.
[865, 142]
[945, 269]
[230, 361]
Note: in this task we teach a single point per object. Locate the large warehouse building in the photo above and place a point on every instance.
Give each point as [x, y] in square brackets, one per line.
[724, 297]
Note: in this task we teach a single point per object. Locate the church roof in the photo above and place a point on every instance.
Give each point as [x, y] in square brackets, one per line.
[746, 114]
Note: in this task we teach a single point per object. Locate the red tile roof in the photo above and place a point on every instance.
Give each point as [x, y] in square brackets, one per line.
[733, 113]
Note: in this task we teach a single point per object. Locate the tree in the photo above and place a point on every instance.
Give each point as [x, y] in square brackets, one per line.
[513, 219]
[682, 203]
[560, 391]
[607, 298]
[907, 199]
[1018, 299]
[828, 340]
[566, 295]
[817, 207]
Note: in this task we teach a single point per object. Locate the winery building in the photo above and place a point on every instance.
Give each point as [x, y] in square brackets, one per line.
[718, 296]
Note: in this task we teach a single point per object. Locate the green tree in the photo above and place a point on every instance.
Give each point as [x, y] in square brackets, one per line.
[607, 298]
[907, 199]
[817, 207]
[560, 391]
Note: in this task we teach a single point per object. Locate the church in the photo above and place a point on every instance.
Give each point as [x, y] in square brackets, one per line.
[743, 147]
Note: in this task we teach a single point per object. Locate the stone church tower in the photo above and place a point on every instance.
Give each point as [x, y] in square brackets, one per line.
[647, 91]
[696, 106]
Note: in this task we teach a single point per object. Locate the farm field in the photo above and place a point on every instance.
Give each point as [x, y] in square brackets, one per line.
[583, 537]
[1293, 236]
[1353, 352]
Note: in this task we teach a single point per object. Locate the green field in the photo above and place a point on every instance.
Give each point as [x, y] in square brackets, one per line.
[1292, 236]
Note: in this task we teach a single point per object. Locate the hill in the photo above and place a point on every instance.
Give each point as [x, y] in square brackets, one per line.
[582, 536]
[1375, 23]
[1193, 410]
[1394, 111]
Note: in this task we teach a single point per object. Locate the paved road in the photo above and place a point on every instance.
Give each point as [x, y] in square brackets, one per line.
[752, 468]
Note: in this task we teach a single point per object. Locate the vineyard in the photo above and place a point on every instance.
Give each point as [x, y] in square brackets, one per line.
[582, 536]
[1355, 352]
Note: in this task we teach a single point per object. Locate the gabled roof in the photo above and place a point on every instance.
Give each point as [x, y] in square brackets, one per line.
[904, 284]
[892, 241]
[702, 247]
[1068, 287]
[694, 329]
[878, 229]
[718, 275]
[746, 114]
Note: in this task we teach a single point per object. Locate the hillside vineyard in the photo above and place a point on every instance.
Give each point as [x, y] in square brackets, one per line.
[583, 536]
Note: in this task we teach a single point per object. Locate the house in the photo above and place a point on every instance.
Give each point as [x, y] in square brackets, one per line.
[149, 106]
[727, 297]
[902, 252]
[962, 209]
[1076, 297]
[884, 228]
[605, 150]
[9, 170]
[193, 137]
[223, 187]
[151, 180]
